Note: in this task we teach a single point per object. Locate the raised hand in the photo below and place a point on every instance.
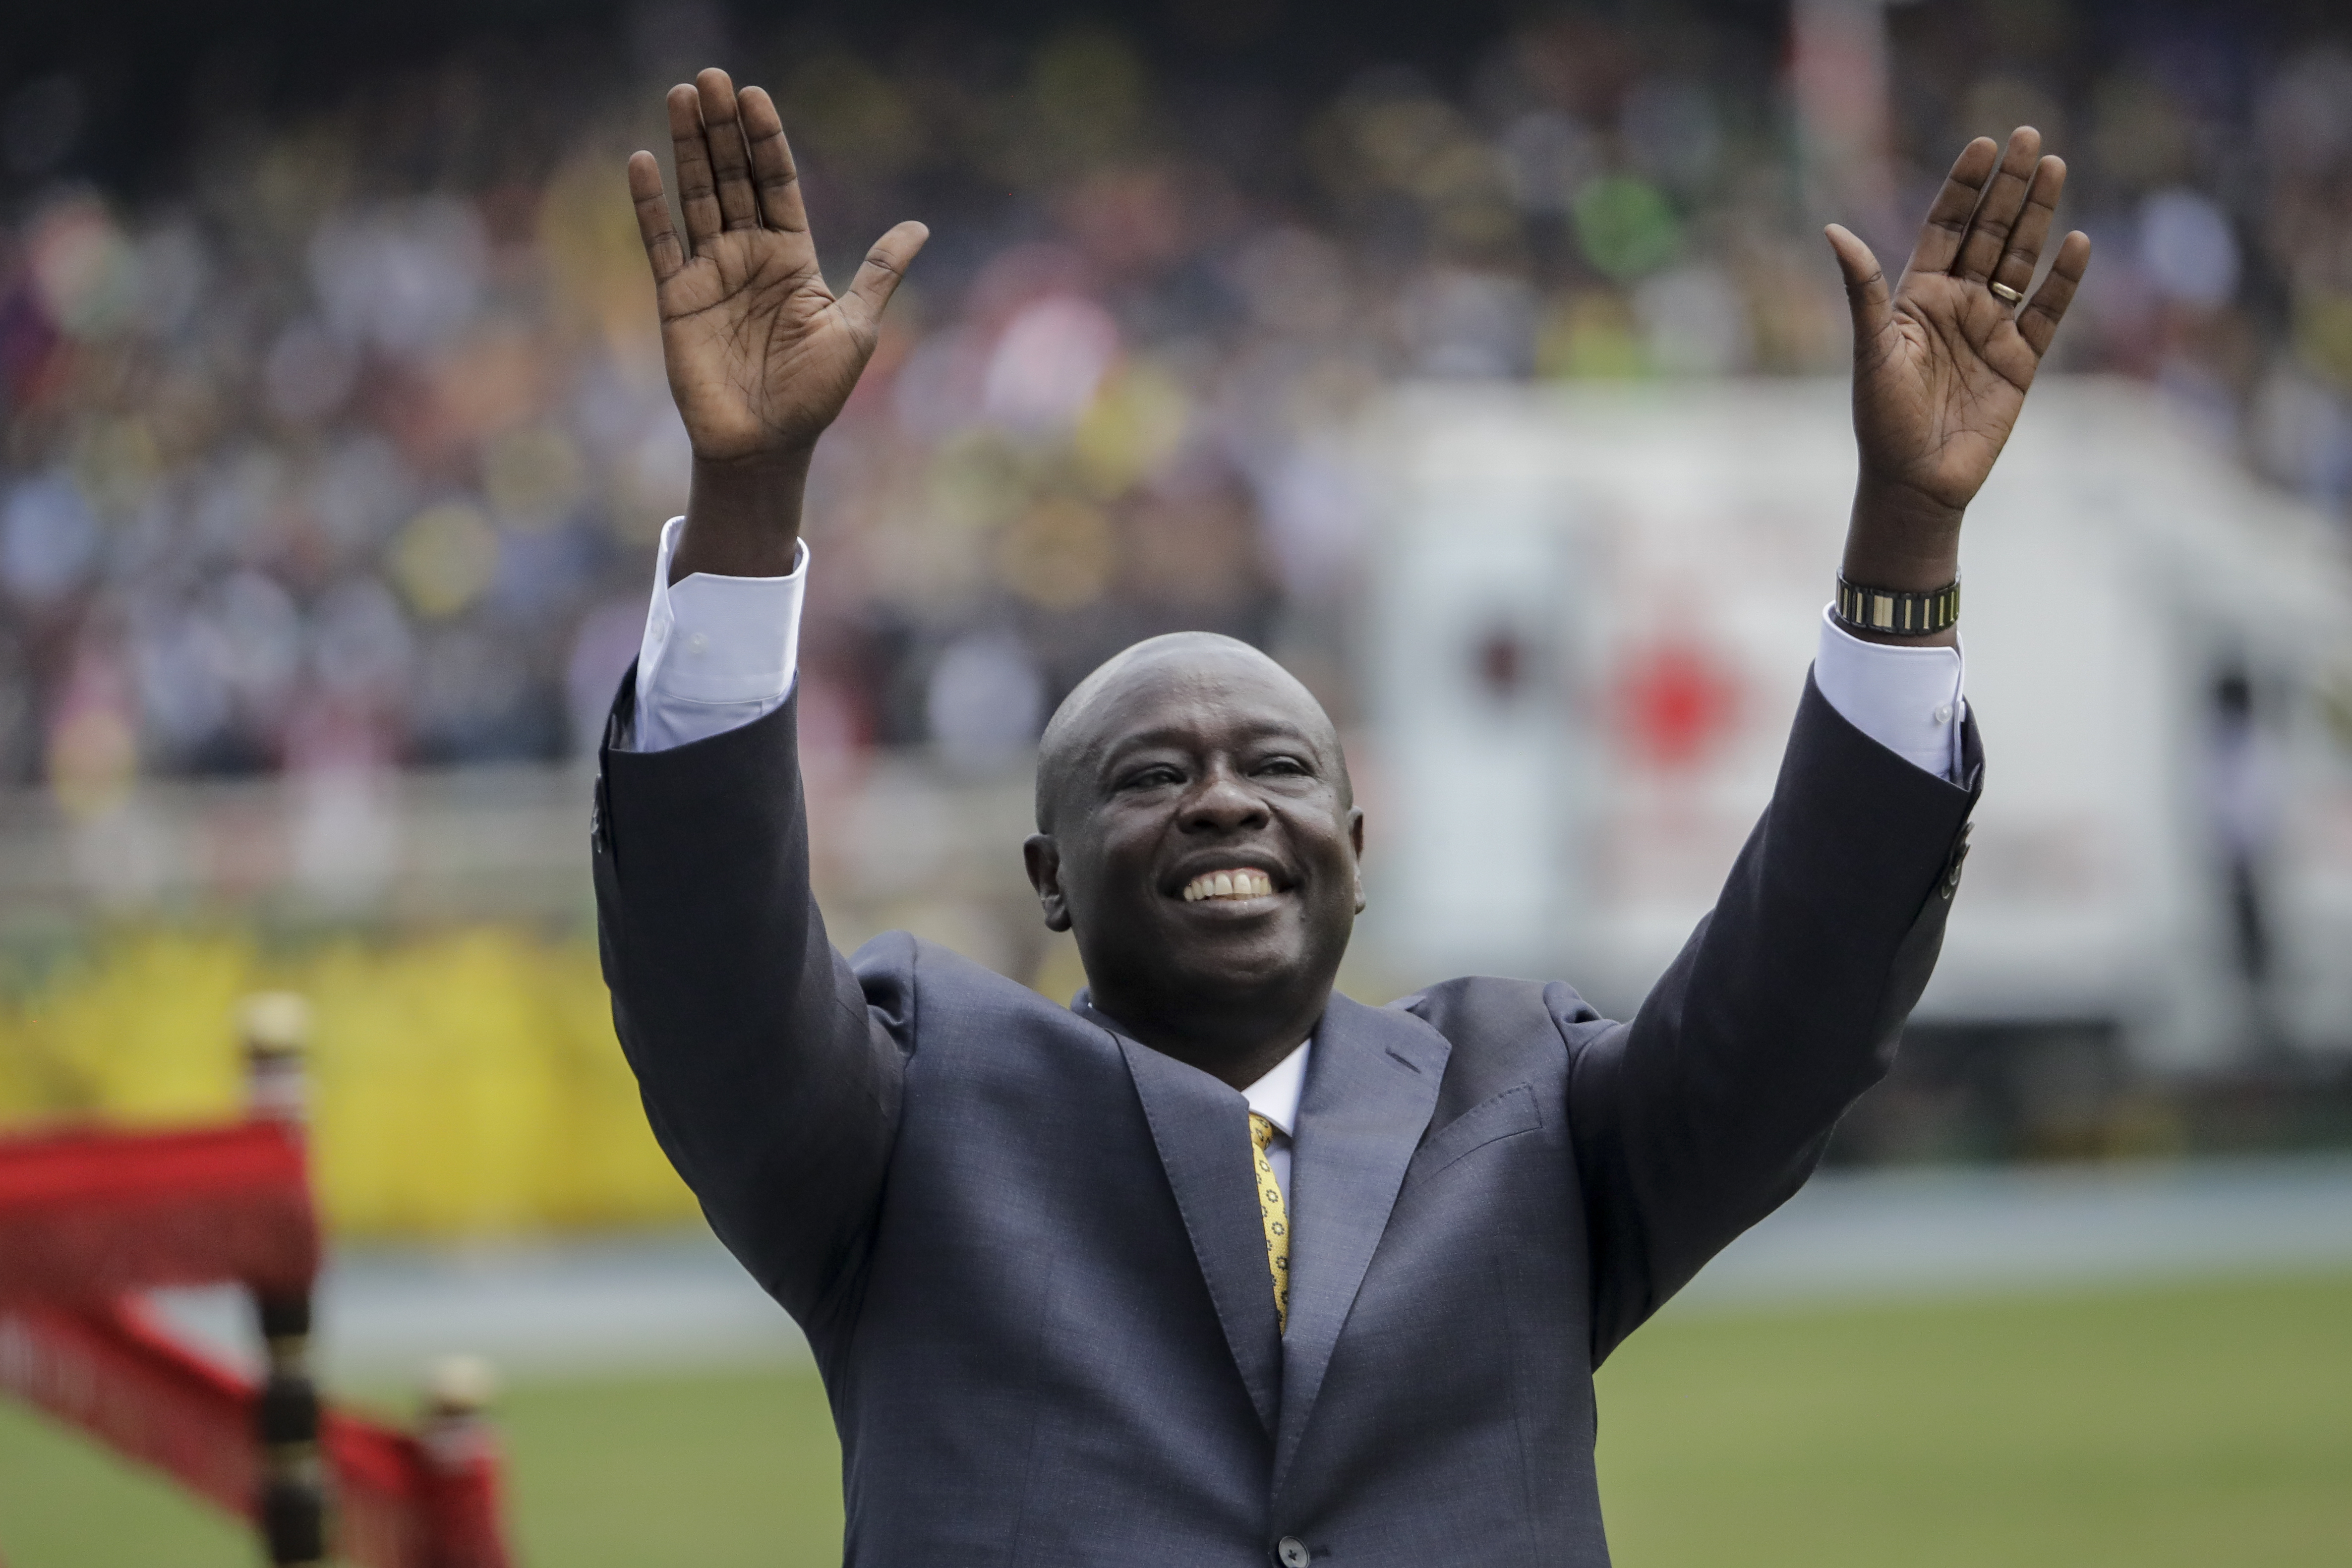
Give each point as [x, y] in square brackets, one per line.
[1941, 363]
[760, 353]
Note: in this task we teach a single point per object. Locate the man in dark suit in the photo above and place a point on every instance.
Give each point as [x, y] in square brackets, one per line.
[1216, 1265]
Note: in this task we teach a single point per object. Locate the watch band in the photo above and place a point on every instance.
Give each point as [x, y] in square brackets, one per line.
[1892, 611]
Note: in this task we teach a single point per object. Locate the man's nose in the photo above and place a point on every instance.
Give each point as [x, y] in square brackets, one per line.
[1224, 802]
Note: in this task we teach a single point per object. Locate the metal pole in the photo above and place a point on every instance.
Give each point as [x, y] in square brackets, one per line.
[292, 1502]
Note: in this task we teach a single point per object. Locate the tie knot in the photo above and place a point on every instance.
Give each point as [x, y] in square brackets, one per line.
[1261, 1131]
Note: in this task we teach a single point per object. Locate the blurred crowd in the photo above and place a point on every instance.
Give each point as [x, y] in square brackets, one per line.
[349, 449]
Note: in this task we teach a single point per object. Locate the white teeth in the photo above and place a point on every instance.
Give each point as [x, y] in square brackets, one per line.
[1241, 883]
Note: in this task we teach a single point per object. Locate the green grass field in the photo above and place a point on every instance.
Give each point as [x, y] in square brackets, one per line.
[2144, 1428]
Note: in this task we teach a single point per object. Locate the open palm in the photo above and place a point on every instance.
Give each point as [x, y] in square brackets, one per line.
[761, 355]
[1941, 366]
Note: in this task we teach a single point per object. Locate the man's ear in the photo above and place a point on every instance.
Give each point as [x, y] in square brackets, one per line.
[1043, 857]
[1356, 842]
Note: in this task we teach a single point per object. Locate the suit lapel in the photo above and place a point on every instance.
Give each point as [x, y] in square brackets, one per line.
[1200, 1127]
[1371, 1086]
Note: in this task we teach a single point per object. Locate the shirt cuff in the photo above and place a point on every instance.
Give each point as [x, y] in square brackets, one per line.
[1908, 699]
[718, 652]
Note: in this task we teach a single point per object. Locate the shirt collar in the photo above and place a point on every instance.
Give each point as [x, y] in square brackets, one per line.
[1276, 1095]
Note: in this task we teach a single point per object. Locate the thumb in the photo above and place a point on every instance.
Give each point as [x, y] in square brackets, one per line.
[1865, 282]
[884, 265]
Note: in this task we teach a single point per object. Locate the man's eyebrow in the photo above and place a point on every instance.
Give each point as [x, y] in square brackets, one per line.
[1120, 747]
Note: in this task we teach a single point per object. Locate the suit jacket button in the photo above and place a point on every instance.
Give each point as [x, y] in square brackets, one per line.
[1292, 1551]
[1951, 883]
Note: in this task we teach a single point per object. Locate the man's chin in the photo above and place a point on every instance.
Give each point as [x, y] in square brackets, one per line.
[1240, 975]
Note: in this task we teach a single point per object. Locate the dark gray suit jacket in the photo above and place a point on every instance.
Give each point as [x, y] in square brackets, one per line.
[1027, 1250]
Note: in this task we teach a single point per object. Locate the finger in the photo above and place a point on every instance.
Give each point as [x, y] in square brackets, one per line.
[662, 248]
[722, 131]
[2004, 198]
[697, 194]
[773, 173]
[2038, 322]
[883, 268]
[1865, 284]
[1947, 216]
[2025, 242]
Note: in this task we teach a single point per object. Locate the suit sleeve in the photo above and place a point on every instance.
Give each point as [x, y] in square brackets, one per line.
[1712, 1107]
[771, 1073]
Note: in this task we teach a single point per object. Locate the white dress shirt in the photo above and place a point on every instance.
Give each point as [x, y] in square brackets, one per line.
[718, 652]
[1908, 699]
[1275, 1098]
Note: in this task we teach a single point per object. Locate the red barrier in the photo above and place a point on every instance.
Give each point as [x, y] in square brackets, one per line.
[112, 1372]
[399, 1500]
[86, 1216]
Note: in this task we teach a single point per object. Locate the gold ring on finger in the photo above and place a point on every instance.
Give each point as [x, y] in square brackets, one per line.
[2005, 293]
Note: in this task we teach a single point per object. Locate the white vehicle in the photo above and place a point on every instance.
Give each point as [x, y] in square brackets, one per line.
[1593, 611]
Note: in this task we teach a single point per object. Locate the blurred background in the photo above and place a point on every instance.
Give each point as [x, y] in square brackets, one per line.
[1437, 350]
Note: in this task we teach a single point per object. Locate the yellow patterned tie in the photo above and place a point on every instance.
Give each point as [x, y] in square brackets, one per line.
[1277, 1219]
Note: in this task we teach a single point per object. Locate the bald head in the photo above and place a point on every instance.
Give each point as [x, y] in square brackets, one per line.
[1128, 689]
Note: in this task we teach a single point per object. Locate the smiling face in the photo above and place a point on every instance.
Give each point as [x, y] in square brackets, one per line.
[1199, 839]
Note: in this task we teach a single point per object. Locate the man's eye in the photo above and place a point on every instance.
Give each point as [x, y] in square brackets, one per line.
[1286, 767]
[1154, 778]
